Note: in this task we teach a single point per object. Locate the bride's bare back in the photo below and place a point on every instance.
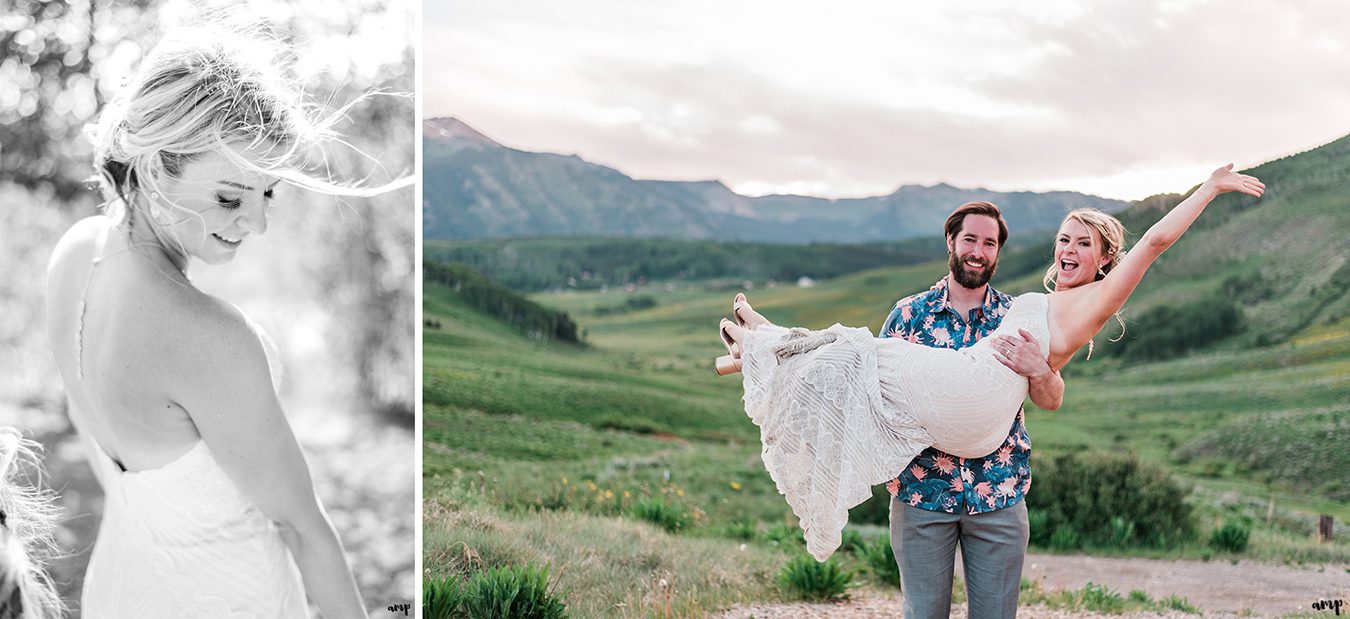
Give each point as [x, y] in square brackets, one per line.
[111, 352]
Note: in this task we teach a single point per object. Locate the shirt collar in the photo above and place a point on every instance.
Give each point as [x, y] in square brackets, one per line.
[986, 310]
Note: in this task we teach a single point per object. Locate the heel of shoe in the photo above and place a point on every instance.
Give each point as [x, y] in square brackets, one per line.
[727, 364]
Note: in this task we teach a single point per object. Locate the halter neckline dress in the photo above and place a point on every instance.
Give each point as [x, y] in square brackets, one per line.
[181, 540]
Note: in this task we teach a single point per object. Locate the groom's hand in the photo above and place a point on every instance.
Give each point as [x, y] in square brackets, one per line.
[1022, 354]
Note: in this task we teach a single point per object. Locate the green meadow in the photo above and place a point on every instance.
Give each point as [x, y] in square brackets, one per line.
[630, 468]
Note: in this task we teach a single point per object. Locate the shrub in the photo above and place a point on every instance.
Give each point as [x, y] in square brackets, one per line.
[879, 557]
[850, 541]
[805, 578]
[1231, 537]
[876, 510]
[1167, 331]
[1176, 602]
[1108, 500]
[741, 529]
[1122, 532]
[441, 598]
[781, 533]
[1100, 598]
[511, 592]
[1038, 521]
[1065, 539]
[668, 516]
[500, 592]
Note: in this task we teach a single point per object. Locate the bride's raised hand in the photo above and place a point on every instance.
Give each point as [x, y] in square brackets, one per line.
[1224, 180]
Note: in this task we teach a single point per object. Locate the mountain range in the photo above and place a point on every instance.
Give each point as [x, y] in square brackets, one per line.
[476, 188]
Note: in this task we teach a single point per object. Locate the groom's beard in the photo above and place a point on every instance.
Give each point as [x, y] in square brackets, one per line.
[968, 278]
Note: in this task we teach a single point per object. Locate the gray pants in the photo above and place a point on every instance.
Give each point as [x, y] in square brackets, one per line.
[993, 546]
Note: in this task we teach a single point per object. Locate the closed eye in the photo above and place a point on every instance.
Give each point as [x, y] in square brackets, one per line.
[228, 203]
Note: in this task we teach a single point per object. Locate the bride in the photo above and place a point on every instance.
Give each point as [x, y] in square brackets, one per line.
[840, 411]
[209, 505]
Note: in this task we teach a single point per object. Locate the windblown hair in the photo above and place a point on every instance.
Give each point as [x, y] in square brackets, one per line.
[1106, 229]
[27, 521]
[203, 89]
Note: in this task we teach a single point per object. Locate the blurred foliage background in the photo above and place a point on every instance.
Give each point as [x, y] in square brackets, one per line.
[331, 282]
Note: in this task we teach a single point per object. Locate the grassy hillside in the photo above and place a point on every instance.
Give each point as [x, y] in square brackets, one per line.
[531, 438]
[542, 441]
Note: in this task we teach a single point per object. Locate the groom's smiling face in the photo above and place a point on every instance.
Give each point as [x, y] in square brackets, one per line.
[972, 253]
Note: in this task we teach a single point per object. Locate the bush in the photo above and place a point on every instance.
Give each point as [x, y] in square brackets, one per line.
[850, 540]
[782, 533]
[879, 557]
[1168, 331]
[1176, 602]
[1100, 598]
[1231, 537]
[1107, 500]
[1038, 520]
[670, 517]
[876, 510]
[512, 592]
[805, 578]
[501, 592]
[441, 598]
[741, 529]
[1065, 539]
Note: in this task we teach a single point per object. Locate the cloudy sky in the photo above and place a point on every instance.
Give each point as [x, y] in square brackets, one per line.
[1122, 98]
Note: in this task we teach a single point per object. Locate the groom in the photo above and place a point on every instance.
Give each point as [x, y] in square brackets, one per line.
[941, 500]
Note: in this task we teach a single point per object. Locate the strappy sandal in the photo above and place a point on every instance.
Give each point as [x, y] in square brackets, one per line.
[729, 363]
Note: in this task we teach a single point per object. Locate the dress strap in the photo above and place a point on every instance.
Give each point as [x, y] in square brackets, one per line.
[99, 246]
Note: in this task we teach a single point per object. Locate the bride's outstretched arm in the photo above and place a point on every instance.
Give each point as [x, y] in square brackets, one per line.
[1120, 283]
[227, 389]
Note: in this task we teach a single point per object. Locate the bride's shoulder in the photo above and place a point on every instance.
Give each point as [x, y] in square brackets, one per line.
[78, 241]
[213, 338]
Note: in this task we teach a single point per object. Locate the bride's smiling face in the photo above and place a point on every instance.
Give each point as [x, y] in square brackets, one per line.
[213, 205]
[1078, 255]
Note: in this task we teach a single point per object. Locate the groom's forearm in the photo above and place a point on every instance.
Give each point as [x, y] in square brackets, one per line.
[1046, 389]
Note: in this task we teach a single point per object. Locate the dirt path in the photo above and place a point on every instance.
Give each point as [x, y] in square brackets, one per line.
[1219, 588]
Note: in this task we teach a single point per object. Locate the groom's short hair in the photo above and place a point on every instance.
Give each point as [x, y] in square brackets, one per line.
[958, 218]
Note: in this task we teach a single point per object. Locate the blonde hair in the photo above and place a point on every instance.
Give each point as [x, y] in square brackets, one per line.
[1106, 229]
[203, 89]
[1111, 234]
[27, 521]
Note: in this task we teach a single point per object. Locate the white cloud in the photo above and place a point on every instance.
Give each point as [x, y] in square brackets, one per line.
[1119, 97]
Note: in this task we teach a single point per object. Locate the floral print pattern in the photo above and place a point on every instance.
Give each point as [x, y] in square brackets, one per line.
[939, 481]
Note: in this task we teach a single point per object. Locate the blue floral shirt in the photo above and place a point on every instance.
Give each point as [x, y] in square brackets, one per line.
[938, 481]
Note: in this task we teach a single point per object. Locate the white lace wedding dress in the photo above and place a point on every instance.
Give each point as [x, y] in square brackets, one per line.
[840, 411]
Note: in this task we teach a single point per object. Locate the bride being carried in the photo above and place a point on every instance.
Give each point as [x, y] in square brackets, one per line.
[840, 411]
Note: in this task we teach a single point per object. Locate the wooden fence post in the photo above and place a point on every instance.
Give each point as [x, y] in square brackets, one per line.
[1324, 524]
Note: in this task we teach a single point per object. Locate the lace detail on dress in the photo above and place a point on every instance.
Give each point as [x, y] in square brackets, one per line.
[827, 434]
[840, 411]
